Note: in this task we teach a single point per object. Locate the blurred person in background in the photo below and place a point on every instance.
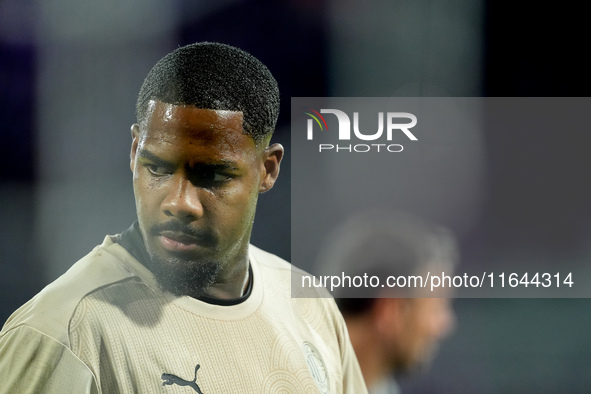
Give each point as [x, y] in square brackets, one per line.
[394, 330]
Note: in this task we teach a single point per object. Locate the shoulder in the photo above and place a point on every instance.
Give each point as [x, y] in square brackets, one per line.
[51, 310]
[267, 260]
[274, 265]
[32, 362]
[314, 313]
[282, 284]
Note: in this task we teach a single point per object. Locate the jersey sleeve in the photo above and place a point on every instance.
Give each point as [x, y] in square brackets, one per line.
[353, 381]
[32, 362]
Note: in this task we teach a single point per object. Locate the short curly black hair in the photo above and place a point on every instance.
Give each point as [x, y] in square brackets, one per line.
[215, 76]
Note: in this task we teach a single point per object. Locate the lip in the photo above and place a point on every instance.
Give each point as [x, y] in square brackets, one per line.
[178, 242]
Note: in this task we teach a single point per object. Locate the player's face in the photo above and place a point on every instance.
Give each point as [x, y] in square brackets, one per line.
[426, 322]
[196, 179]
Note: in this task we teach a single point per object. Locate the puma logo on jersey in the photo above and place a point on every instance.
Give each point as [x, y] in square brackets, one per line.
[173, 379]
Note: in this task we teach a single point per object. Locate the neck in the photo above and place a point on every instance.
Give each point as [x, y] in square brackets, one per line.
[368, 349]
[231, 285]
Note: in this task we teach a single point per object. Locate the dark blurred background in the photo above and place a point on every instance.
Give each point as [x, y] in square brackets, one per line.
[69, 76]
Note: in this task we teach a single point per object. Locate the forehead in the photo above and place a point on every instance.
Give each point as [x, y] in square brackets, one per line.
[186, 127]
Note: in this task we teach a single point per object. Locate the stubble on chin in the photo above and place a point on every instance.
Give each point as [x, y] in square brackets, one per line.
[184, 277]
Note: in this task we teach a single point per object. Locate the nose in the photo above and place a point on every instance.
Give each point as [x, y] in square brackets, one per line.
[182, 200]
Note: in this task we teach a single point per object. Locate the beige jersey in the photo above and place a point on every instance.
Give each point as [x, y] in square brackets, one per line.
[105, 327]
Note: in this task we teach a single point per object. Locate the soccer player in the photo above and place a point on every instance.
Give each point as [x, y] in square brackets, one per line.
[181, 301]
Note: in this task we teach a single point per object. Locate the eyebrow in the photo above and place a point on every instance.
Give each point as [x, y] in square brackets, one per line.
[224, 165]
[146, 154]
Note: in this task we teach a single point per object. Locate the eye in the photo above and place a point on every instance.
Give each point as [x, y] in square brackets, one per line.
[158, 170]
[209, 177]
[213, 176]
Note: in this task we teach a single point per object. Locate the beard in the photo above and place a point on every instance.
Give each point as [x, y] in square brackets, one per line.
[416, 365]
[183, 277]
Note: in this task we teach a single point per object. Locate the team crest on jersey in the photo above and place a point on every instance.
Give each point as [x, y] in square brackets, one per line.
[170, 379]
[317, 367]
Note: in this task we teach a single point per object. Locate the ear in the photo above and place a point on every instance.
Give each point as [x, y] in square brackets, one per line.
[135, 138]
[271, 162]
[389, 315]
